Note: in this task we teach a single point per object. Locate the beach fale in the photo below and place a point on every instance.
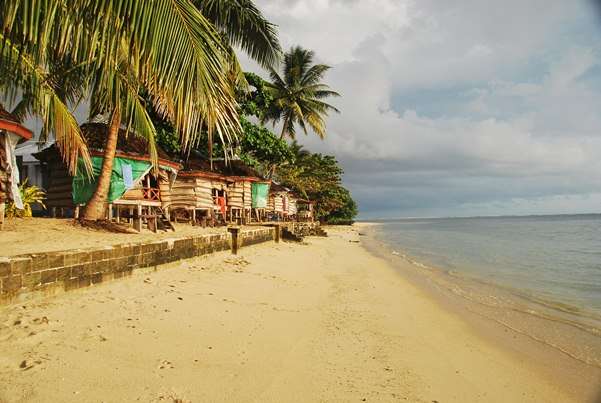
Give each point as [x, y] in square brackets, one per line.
[137, 193]
[219, 192]
[11, 133]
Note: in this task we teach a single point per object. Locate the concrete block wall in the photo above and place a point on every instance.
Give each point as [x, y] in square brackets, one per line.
[47, 273]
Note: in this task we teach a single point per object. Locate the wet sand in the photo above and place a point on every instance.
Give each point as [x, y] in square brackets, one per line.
[321, 321]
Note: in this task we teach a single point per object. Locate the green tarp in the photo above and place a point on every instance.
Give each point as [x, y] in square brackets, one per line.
[84, 187]
[260, 192]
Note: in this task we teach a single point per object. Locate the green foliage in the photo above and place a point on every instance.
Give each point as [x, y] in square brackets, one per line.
[30, 195]
[168, 140]
[256, 100]
[260, 148]
[298, 94]
[318, 177]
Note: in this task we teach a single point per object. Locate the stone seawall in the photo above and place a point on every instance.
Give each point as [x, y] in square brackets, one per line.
[41, 274]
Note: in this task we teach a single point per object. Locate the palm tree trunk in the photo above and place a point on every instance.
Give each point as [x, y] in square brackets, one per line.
[285, 123]
[96, 206]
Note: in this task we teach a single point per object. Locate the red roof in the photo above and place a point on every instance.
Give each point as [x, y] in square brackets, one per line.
[10, 123]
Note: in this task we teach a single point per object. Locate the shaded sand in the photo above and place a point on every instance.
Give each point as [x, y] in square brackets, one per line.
[296, 323]
[31, 235]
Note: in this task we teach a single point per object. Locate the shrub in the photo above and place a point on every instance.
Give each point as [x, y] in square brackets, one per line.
[30, 196]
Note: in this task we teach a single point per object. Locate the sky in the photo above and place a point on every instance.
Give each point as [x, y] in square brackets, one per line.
[457, 108]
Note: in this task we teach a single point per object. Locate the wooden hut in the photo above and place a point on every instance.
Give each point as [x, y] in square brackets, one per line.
[278, 203]
[292, 206]
[240, 178]
[223, 192]
[201, 193]
[11, 133]
[136, 190]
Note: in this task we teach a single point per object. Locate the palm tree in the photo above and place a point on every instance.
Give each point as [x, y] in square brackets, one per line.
[167, 48]
[298, 94]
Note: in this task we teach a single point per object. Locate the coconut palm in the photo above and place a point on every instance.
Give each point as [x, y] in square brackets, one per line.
[243, 25]
[298, 94]
[165, 47]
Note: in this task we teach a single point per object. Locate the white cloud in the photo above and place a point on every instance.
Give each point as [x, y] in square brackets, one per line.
[458, 94]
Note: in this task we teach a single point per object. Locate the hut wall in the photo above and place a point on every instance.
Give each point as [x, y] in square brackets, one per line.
[247, 187]
[195, 192]
[60, 185]
[235, 195]
[292, 209]
[278, 203]
[271, 202]
[165, 189]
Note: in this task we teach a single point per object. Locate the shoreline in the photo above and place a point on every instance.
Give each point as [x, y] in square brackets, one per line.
[324, 320]
[507, 318]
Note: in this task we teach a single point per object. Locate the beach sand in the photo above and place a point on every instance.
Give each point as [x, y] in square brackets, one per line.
[34, 234]
[324, 321]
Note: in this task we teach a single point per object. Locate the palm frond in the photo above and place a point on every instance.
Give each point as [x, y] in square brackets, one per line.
[244, 26]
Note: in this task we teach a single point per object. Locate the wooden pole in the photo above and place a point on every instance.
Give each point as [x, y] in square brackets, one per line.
[235, 231]
[138, 219]
[2, 208]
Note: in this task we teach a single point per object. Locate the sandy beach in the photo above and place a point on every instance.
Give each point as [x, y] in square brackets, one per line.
[34, 235]
[321, 321]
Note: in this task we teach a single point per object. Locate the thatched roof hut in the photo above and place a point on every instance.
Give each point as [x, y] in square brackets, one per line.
[133, 182]
[231, 189]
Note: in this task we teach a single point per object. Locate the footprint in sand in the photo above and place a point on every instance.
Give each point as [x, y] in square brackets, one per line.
[166, 365]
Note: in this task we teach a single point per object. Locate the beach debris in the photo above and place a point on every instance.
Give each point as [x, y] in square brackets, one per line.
[237, 261]
[394, 252]
[180, 298]
[43, 319]
[147, 280]
[23, 364]
[17, 322]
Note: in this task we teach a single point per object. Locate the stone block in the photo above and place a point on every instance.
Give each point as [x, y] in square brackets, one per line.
[77, 271]
[39, 262]
[12, 284]
[5, 267]
[63, 273]
[32, 280]
[48, 276]
[56, 260]
[20, 265]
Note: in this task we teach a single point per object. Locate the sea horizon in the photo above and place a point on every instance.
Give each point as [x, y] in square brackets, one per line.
[368, 220]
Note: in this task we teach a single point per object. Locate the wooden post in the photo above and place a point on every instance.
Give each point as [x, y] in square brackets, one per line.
[53, 212]
[110, 211]
[278, 232]
[194, 216]
[2, 208]
[118, 214]
[235, 231]
[76, 212]
[138, 219]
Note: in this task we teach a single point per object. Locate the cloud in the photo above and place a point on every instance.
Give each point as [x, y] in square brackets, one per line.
[458, 107]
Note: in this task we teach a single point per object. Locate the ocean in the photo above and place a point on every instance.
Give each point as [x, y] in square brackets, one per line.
[555, 260]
